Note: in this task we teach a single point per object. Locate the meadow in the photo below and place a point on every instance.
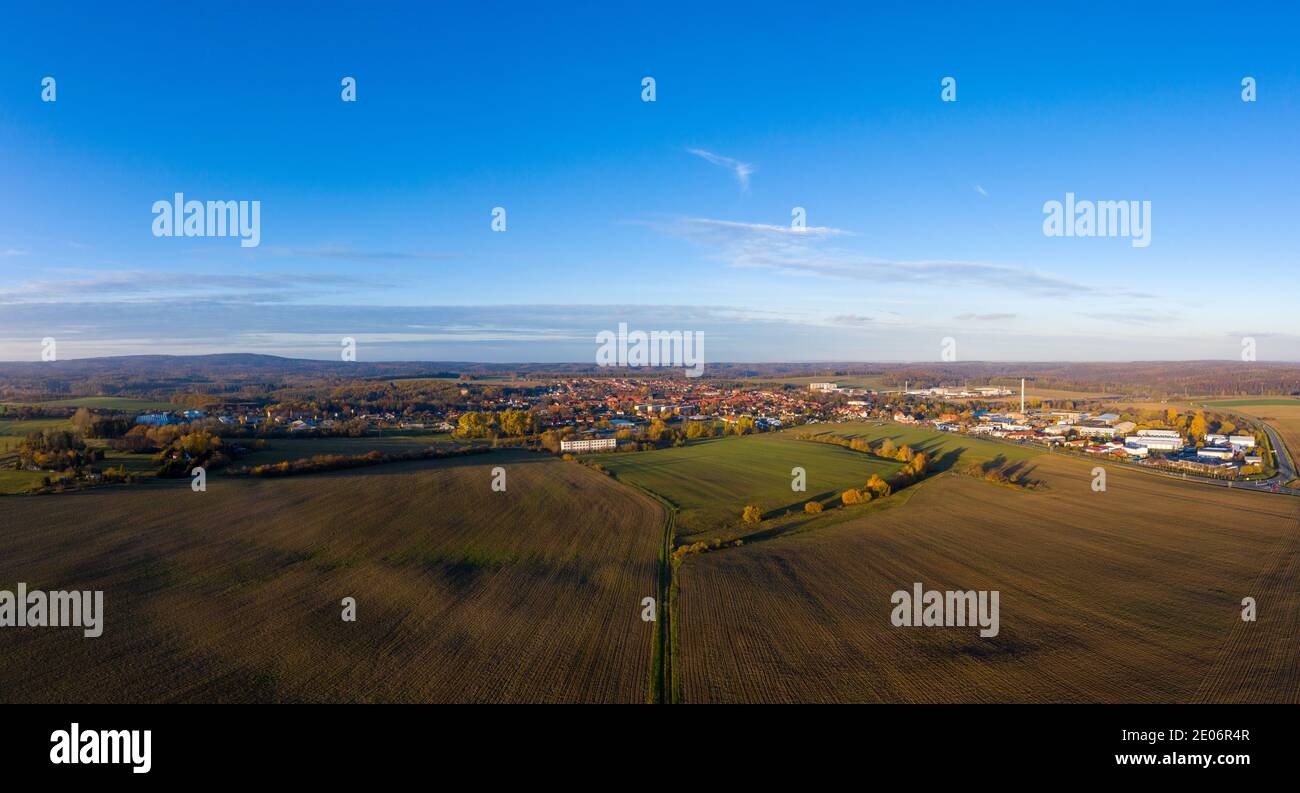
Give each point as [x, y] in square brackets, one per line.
[233, 595]
[1128, 595]
[281, 449]
[710, 481]
[111, 403]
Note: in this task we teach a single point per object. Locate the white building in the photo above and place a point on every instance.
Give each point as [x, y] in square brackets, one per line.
[1217, 452]
[823, 387]
[1158, 442]
[1159, 433]
[1242, 441]
[1102, 430]
[589, 445]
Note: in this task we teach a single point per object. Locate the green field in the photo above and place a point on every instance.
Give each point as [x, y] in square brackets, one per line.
[12, 481]
[110, 403]
[711, 481]
[278, 450]
[943, 448]
[1239, 403]
[282, 449]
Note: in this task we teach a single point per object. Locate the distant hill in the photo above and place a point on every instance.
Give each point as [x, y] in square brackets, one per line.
[159, 376]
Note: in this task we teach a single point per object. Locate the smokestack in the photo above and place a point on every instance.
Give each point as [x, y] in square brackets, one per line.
[1022, 395]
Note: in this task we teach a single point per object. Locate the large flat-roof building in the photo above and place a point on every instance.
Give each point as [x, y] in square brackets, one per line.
[1159, 442]
[589, 445]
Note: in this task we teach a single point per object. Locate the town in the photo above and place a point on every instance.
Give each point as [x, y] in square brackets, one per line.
[585, 414]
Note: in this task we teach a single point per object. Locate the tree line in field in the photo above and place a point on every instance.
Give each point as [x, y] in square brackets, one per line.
[335, 462]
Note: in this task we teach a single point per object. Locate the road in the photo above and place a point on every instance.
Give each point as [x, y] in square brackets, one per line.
[1273, 484]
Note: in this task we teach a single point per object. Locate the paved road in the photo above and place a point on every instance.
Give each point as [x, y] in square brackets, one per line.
[1285, 465]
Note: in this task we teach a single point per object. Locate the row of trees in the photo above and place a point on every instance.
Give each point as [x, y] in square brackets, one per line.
[335, 462]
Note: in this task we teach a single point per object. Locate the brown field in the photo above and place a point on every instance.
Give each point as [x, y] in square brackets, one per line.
[1131, 595]
[234, 594]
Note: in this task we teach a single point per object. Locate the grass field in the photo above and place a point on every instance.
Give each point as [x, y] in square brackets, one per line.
[711, 481]
[278, 449]
[1128, 595]
[462, 594]
[281, 449]
[1253, 402]
[111, 403]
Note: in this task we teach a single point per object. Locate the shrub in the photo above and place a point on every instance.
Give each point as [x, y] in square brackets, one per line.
[812, 507]
[752, 515]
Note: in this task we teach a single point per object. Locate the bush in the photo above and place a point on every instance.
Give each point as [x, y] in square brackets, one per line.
[752, 515]
[812, 507]
[854, 496]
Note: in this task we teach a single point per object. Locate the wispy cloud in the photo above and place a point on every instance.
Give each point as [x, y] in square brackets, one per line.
[810, 252]
[852, 320]
[969, 317]
[742, 170]
[348, 253]
[980, 189]
[1128, 317]
[153, 285]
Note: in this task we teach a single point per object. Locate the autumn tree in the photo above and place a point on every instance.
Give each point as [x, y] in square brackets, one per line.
[82, 420]
[752, 515]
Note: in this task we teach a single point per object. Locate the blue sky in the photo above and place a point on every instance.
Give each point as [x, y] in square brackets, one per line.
[925, 217]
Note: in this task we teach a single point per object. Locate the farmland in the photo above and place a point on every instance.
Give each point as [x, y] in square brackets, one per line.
[281, 449]
[110, 403]
[710, 481]
[1132, 594]
[234, 594]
